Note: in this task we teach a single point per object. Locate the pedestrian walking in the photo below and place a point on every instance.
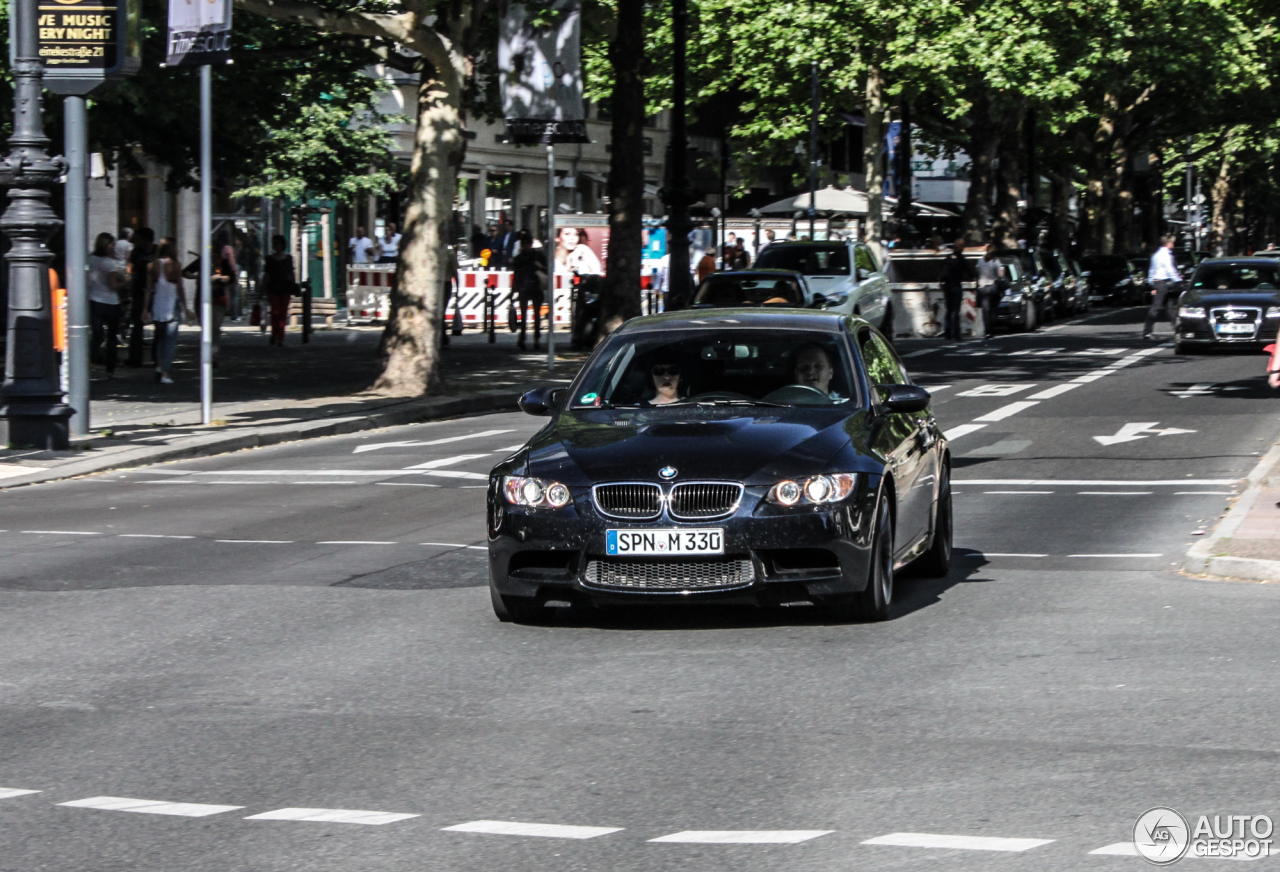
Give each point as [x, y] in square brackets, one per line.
[450, 284]
[507, 242]
[706, 266]
[123, 246]
[951, 281]
[389, 244]
[281, 283]
[222, 292]
[1273, 364]
[991, 274]
[104, 278]
[741, 259]
[529, 278]
[140, 260]
[226, 259]
[1166, 285]
[166, 304]
[479, 242]
[360, 246]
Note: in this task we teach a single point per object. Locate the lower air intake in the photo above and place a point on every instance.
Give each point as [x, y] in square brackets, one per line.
[669, 574]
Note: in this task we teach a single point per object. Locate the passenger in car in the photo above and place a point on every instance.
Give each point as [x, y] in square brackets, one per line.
[666, 384]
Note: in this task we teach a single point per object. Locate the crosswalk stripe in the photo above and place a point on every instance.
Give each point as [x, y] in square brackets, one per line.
[10, 792]
[150, 806]
[743, 837]
[514, 828]
[332, 816]
[963, 843]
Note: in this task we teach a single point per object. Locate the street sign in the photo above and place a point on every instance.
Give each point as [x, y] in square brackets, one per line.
[87, 44]
[540, 75]
[199, 33]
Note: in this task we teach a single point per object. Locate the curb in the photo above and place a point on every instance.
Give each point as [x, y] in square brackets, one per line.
[1201, 558]
[207, 445]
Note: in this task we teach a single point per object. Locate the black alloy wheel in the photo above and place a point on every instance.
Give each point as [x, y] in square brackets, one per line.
[873, 602]
[936, 562]
[1029, 316]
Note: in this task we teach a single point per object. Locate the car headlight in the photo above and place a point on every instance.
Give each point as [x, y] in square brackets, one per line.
[536, 492]
[815, 490]
[1273, 312]
[1191, 312]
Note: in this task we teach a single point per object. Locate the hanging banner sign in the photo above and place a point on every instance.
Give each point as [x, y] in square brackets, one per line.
[85, 44]
[199, 32]
[540, 74]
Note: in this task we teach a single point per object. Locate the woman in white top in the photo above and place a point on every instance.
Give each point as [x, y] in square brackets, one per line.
[167, 304]
[389, 245]
[103, 280]
[990, 272]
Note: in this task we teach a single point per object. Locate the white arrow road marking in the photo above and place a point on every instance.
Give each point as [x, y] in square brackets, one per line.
[1133, 432]
[482, 434]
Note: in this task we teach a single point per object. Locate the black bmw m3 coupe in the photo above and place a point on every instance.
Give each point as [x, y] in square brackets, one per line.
[739, 455]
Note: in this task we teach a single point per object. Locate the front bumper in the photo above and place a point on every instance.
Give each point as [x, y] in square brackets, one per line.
[1198, 331]
[780, 555]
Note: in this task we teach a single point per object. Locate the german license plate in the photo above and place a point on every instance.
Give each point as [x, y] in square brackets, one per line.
[645, 543]
[1235, 328]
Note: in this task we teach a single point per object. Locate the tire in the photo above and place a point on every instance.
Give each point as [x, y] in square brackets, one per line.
[886, 324]
[1029, 316]
[1181, 348]
[936, 562]
[873, 602]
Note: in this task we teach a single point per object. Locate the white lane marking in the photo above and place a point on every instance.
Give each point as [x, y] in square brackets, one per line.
[743, 837]
[356, 542]
[7, 471]
[255, 541]
[448, 461]
[919, 353]
[10, 792]
[61, 533]
[933, 389]
[1047, 352]
[332, 816]
[1001, 390]
[453, 473]
[963, 430]
[251, 481]
[150, 806]
[1018, 492]
[963, 843]
[1007, 411]
[481, 435]
[150, 536]
[1116, 555]
[1204, 493]
[170, 481]
[1097, 482]
[360, 472]
[1119, 849]
[1055, 391]
[1114, 493]
[406, 484]
[508, 448]
[456, 545]
[300, 482]
[1007, 554]
[549, 831]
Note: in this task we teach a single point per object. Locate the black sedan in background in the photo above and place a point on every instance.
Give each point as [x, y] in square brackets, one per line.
[770, 457]
[1110, 279]
[1232, 302]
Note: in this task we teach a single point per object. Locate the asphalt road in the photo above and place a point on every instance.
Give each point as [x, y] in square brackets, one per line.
[285, 658]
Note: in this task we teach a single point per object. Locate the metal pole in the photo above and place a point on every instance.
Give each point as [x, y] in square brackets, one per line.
[206, 244]
[676, 194]
[551, 258]
[77, 236]
[31, 397]
[813, 150]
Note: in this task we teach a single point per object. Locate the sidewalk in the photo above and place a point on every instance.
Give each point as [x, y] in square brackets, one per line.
[265, 395]
[1246, 544]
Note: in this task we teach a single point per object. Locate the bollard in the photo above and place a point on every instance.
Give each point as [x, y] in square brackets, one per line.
[490, 285]
[306, 311]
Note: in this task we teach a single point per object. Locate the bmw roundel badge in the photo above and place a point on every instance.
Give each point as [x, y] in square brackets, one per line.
[668, 472]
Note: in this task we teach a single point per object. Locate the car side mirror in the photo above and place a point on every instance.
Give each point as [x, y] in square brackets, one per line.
[904, 398]
[818, 301]
[540, 401]
[861, 274]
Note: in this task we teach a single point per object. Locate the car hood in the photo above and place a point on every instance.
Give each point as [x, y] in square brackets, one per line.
[1262, 299]
[753, 445]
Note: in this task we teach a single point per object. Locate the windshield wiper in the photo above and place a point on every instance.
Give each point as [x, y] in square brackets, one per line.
[728, 402]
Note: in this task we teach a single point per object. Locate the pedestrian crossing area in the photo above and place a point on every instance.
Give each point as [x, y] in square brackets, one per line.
[635, 835]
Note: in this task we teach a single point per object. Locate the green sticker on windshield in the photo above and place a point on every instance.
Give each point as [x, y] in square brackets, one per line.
[589, 398]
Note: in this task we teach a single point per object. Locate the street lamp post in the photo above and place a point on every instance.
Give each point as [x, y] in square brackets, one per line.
[676, 194]
[31, 396]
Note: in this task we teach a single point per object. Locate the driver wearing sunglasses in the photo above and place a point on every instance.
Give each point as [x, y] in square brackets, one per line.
[666, 384]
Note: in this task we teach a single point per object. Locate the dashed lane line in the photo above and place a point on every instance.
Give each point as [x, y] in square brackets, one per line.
[150, 806]
[356, 542]
[743, 837]
[1114, 493]
[1156, 554]
[1009, 554]
[62, 532]
[11, 792]
[456, 545]
[332, 816]
[1006, 411]
[416, 444]
[150, 536]
[963, 843]
[255, 541]
[548, 831]
[1085, 482]
[448, 461]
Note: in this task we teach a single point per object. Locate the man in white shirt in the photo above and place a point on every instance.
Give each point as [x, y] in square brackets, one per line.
[1166, 285]
[359, 246]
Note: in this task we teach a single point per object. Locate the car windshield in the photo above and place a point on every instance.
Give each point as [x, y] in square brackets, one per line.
[1237, 277]
[810, 260]
[718, 367]
[749, 290]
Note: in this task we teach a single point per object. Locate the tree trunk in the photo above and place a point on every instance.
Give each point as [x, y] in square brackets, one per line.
[872, 165]
[1059, 237]
[983, 141]
[411, 342]
[1004, 230]
[620, 290]
[1217, 242]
